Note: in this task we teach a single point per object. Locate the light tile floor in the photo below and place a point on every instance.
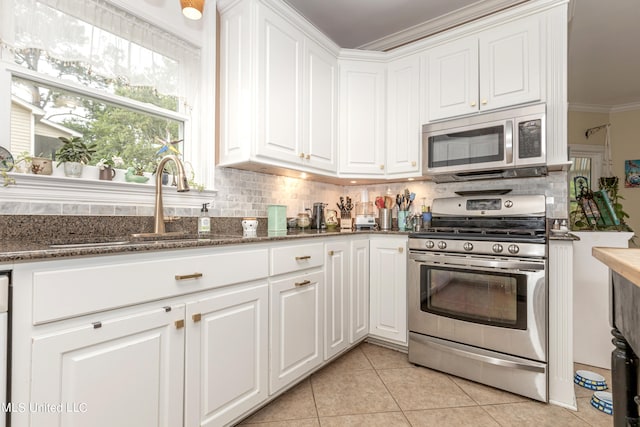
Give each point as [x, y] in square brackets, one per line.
[374, 386]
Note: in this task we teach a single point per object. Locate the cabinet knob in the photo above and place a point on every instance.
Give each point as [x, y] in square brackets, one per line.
[400, 249]
[484, 102]
[196, 317]
[381, 167]
[302, 155]
[308, 156]
[330, 253]
[413, 164]
[473, 103]
[179, 324]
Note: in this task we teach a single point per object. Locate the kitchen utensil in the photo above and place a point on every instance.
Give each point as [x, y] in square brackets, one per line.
[380, 202]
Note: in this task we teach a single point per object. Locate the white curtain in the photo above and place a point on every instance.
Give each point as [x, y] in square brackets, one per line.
[113, 43]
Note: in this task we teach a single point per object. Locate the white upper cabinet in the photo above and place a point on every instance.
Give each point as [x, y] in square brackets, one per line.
[278, 92]
[320, 112]
[496, 68]
[280, 47]
[362, 118]
[404, 129]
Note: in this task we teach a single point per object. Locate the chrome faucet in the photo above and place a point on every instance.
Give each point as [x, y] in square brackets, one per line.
[183, 185]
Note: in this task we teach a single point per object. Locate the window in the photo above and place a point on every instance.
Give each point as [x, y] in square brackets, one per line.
[88, 68]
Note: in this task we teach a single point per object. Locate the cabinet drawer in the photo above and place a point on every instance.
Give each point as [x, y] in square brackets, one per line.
[72, 288]
[294, 258]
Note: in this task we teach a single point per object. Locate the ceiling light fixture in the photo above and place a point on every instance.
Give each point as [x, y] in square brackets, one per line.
[192, 9]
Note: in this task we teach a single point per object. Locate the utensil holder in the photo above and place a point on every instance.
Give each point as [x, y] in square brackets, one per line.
[346, 224]
[384, 219]
[402, 220]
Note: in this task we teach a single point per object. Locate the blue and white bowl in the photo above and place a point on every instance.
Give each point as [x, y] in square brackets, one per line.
[590, 380]
[602, 401]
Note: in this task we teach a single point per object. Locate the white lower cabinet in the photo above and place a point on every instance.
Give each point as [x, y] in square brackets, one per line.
[388, 289]
[296, 313]
[359, 290]
[227, 355]
[336, 314]
[125, 371]
[203, 342]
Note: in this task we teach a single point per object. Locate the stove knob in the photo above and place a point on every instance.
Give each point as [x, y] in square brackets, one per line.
[429, 244]
[497, 248]
[514, 249]
[508, 204]
[467, 246]
[442, 245]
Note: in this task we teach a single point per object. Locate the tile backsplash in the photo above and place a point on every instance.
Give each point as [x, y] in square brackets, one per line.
[244, 193]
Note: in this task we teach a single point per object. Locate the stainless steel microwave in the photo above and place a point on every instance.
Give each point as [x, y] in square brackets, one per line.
[500, 143]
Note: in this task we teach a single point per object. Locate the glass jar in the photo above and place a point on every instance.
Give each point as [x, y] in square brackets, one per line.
[303, 220]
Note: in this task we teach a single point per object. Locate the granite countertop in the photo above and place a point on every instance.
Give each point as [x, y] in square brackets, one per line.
[21, 250]
[625, 261]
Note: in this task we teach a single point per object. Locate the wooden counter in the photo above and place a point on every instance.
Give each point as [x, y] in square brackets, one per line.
[623, 261]
[624, 265]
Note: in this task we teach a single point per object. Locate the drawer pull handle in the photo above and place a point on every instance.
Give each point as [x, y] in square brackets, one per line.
[196, 317]
[303, 283]
[188, 276]
[97, 325]
[302, 258]
[167, 308]
[180, 324]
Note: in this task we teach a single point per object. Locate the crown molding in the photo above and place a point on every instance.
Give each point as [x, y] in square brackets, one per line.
[441, 23]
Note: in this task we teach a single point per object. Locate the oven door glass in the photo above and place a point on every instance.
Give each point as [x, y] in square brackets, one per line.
[486, 297]
[484, 145]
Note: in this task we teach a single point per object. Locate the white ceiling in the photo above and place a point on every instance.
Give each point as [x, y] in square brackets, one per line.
[604, 37]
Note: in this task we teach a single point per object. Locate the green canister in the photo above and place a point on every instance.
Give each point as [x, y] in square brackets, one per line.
[277, 218]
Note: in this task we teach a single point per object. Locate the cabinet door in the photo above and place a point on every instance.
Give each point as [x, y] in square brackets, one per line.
[510, 64]
[279, 135]
[453, 79]
[359, 290]
[404, 130]
[296, 313]
[320, 107]
[388, 288]
[236, 116]
[336, 303]
[362, 118]
[126, 371]
[227, 355]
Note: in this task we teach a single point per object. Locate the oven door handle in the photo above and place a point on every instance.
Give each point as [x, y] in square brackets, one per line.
[485, 359]
[470, 262]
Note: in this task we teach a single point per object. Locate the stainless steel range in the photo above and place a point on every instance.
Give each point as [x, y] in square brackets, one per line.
[478, 291]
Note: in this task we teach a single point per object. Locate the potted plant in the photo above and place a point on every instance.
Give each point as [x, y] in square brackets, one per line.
[41, 165]
[74, 153]
[106, 167]
[135, 173]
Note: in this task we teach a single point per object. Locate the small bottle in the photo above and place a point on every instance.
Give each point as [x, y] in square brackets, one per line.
[204, 222]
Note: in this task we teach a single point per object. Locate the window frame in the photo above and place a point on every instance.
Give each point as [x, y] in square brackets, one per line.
[47, 189]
